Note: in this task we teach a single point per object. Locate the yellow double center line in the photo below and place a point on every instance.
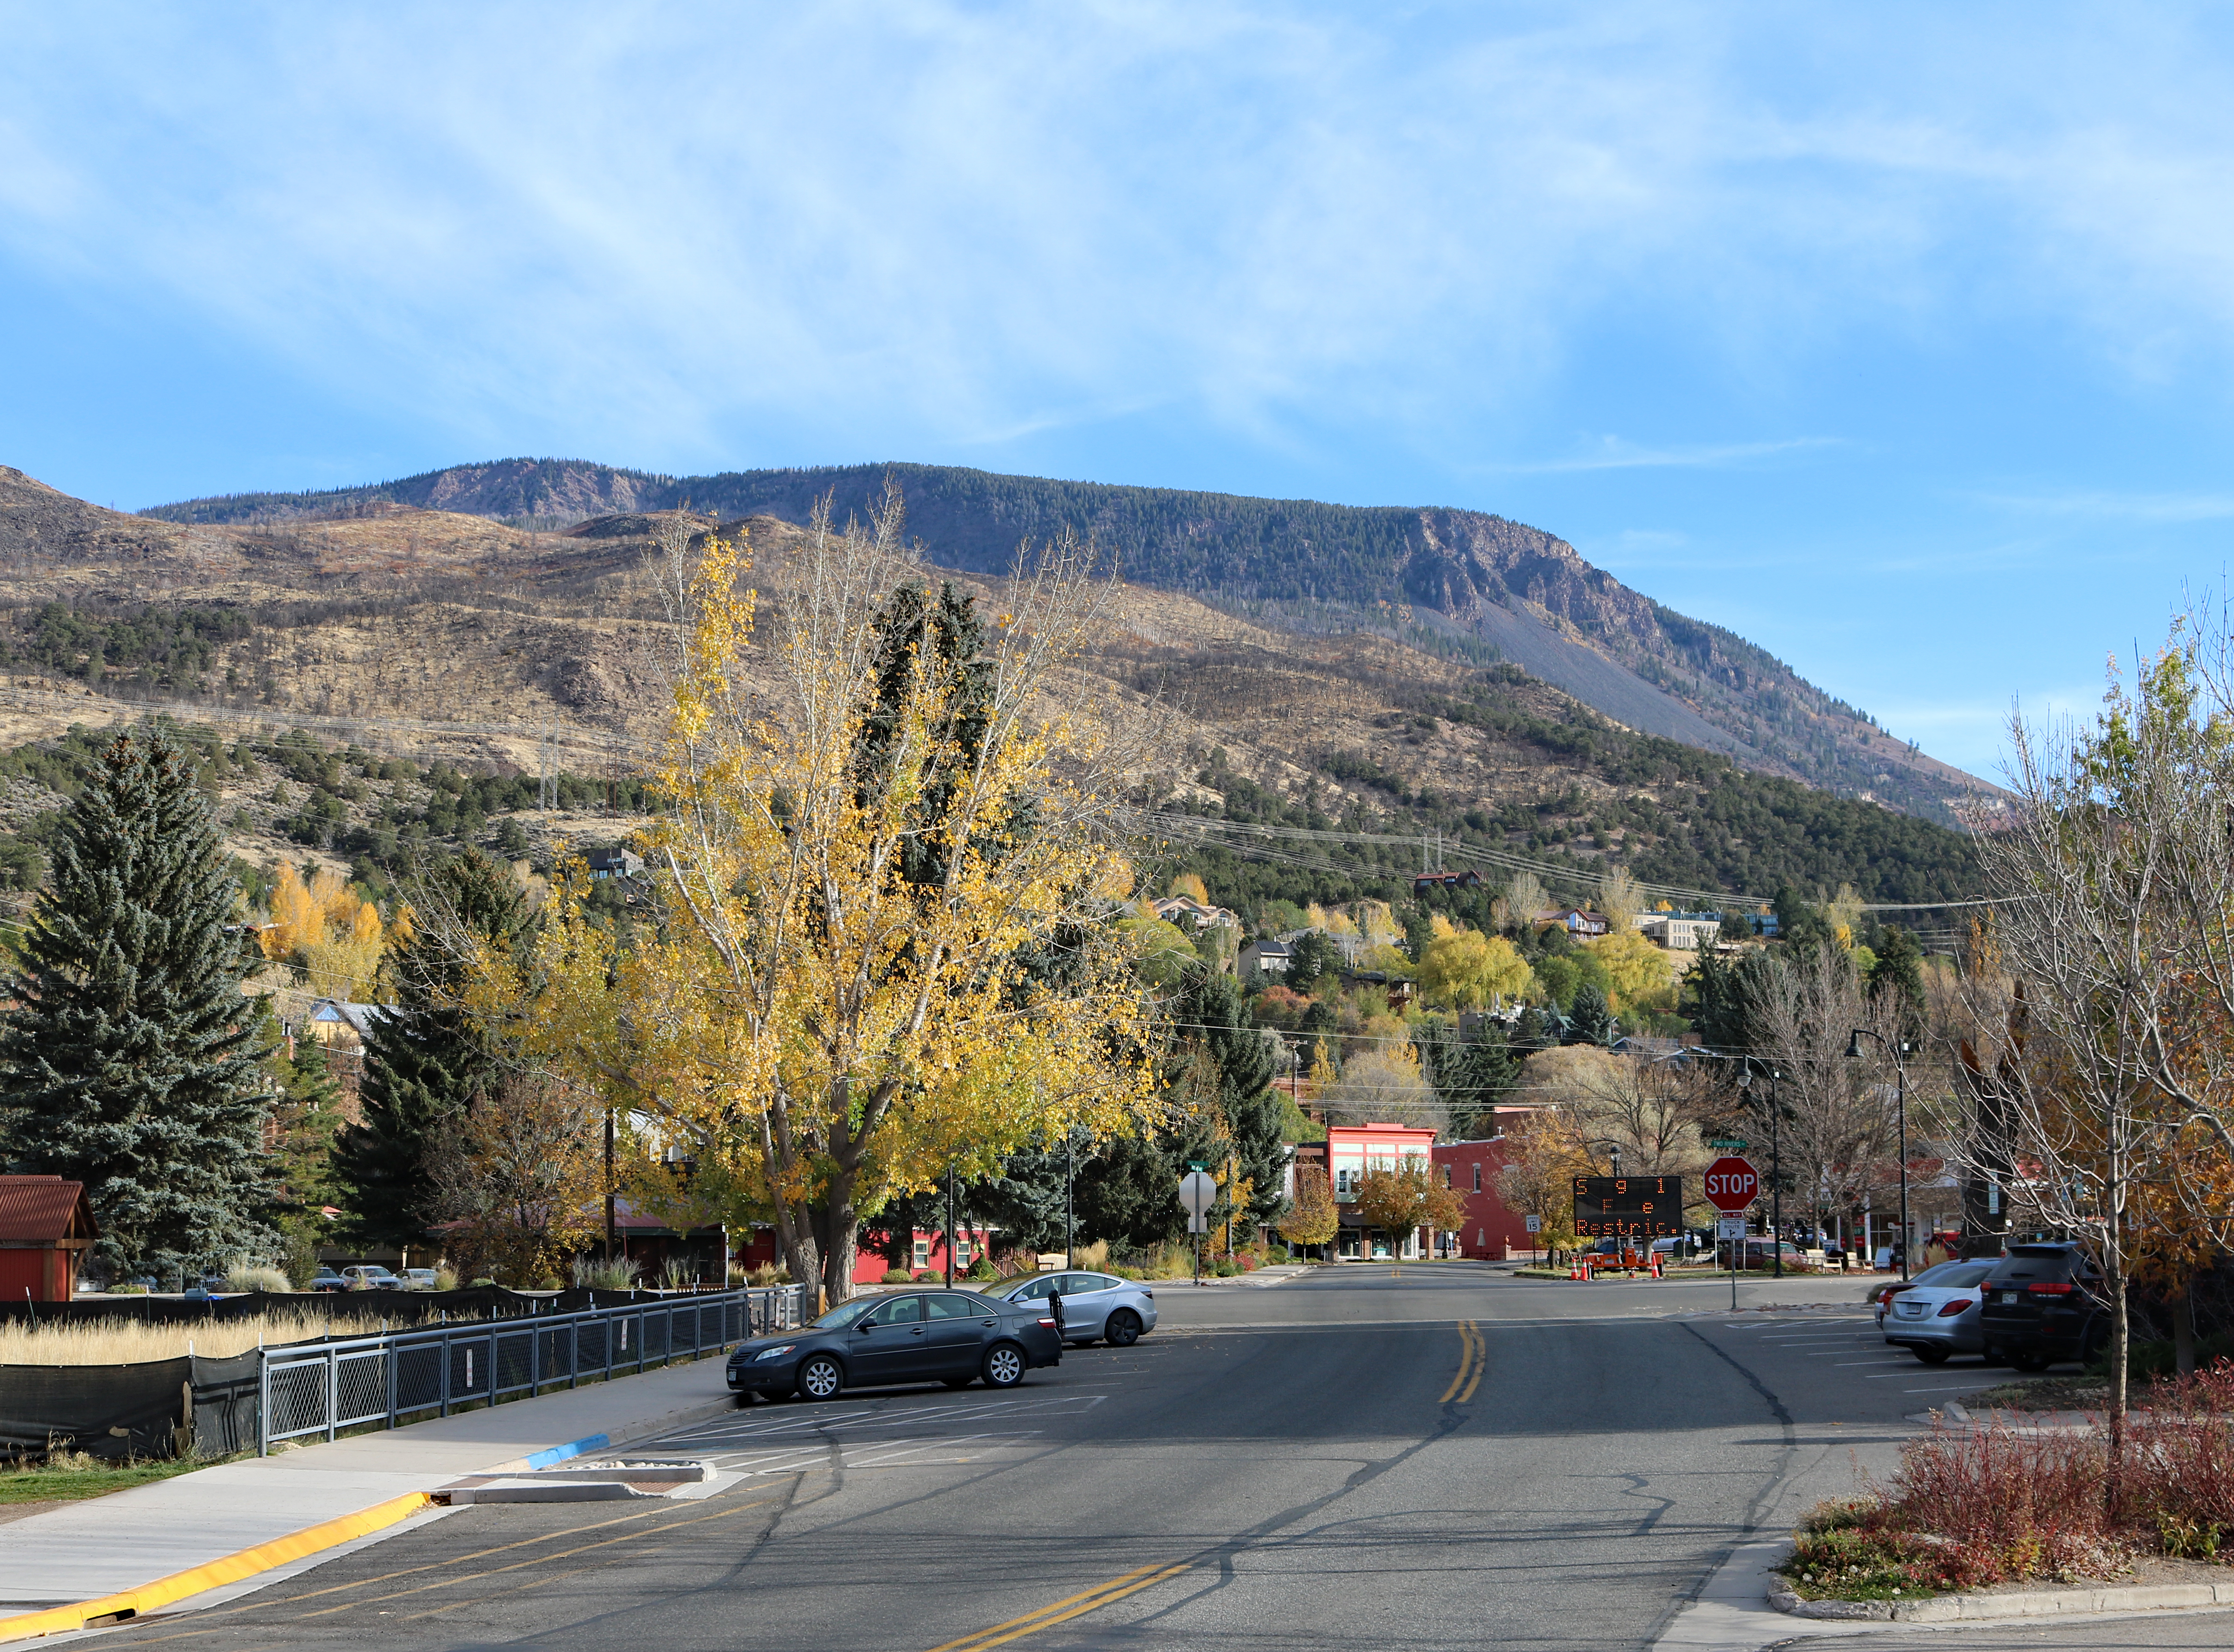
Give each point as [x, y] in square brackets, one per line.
[1076, 1606]
[1474, 1359]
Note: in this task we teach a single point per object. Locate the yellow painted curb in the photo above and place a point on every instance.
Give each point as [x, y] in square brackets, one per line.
[138, 1603]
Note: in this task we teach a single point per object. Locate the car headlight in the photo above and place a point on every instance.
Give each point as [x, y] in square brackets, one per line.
[775, 1353]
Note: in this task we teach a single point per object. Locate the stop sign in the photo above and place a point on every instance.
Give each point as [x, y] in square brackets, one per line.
[1732, 1184]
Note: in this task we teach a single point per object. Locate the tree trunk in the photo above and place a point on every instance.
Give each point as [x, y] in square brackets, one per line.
[2121, 1330]
[2183, 1331]
[838, 1228]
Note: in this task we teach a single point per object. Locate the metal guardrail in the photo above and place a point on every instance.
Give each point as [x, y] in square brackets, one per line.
[322, 1388]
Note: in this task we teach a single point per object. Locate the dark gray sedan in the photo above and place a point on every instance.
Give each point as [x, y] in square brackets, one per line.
[956, 1337]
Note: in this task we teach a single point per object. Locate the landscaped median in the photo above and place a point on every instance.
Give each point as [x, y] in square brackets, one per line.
[244, 1562]
[2018, 1516]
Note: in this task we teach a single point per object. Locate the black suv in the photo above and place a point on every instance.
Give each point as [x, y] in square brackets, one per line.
[2043, 1303]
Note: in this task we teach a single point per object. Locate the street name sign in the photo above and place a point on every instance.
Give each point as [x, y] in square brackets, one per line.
[1732, 1185]
[1729, 1144]
[1730, 1227]
[1623, 1207]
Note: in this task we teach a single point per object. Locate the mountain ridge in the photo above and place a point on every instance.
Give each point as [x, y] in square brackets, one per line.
[1483, 582]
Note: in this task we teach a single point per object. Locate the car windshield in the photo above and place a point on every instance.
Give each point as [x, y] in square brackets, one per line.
[846, 1313]
[1941, 1273]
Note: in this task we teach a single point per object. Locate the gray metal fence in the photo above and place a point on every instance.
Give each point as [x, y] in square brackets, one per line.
[322, 1388]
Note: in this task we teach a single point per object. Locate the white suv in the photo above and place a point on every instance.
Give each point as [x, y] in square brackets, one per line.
[370, 1276]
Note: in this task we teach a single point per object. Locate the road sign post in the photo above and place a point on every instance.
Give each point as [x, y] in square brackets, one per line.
[1198, 1193]
[1732, 1186]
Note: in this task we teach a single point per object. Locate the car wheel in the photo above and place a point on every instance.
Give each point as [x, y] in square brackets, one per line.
[2028, 1362]
[820, 1379]
[957, 1382]
[1124, 1328]
[1930, 1355]
[1004, 1366]
[745, 1397]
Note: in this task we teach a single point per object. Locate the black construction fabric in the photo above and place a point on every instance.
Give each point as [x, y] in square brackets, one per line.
[108, 1411]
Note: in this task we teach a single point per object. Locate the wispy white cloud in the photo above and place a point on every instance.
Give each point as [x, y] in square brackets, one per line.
[1613, 452]
[923, 224]
[2165, 509]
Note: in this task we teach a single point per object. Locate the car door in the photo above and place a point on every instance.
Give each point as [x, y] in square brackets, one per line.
[1086, 1299]
[887, 1345]
[956, 1328]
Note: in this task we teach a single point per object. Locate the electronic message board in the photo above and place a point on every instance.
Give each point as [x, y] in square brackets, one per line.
[1629, 1207]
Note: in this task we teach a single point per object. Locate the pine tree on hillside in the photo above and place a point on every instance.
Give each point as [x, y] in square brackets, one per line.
[425, 1062]
[130, 1059]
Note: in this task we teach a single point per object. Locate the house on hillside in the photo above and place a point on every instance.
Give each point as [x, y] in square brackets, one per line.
[1190, 914]
[1432, 880]
[1680, 931]
[1264, 962]
[1574, 919]
[614, 863]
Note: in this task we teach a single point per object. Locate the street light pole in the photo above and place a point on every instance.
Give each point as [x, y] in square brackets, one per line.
[1899, 1048]
[1069, 1199]
[949, 1226]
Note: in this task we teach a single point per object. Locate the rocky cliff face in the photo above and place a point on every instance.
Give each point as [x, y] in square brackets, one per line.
[1507, 588]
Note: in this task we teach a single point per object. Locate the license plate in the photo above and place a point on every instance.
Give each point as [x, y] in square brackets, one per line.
[1911, 1308]
[2008, 1297]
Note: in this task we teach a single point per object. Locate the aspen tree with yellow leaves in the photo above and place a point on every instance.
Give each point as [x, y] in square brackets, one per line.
[886, 877]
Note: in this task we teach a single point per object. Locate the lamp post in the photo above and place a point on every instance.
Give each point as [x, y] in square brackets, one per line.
[1899, 1049]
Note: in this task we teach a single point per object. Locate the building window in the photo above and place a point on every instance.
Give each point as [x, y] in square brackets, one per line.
[1345, 1183]
[923, 1253]
[1447, 1175]
[1477, 1178]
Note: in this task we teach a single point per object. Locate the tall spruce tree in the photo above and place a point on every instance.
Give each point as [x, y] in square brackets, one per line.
[129, 1060]
[425, 1061]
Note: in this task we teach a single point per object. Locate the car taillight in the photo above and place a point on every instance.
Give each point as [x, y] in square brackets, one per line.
[2052, 1289]
[1047, 1321]
[1947, 1311]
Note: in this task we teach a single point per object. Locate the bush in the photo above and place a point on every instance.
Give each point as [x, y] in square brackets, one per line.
[619, 1274]
[761, 1277]
[898, 1276]
[242, 1277]
[928, 1275]
[1094, 1257]
[446, 1279]
[983, 1271]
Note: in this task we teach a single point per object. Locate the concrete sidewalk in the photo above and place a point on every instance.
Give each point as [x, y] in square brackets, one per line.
[108, 1545]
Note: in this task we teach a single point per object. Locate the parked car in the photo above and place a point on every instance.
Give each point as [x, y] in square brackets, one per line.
[2044, 1303]
[951, 1337]
[370, 1276]
[418, 1278]
[1934, 1321]
[1882, 1295]
[1094, 1305]
[327, 1279]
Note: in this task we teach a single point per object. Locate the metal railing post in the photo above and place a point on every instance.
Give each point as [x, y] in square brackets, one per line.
[333, 1386]
[394, 1358]
[263, 1403]
[444, 1391]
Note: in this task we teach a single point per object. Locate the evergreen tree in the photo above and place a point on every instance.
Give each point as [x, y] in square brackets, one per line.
[425, 1061]
[1590, 1022]
[127, 1062]
[1899, 972]
[1469, 1075]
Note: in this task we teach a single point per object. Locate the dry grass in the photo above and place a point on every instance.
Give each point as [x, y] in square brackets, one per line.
[121, 1342]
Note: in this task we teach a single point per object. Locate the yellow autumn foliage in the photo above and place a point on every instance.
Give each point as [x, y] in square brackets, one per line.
[324, 926]
[817, 1010]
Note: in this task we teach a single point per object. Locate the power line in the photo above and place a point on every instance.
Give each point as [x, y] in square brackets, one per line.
[1255, 845]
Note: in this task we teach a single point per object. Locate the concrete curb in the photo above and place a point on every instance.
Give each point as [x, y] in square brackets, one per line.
[1979, 1609]
[137, 1603]
[297, 1545]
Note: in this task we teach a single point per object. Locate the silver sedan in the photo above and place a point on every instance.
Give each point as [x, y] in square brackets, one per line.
[1094, 1305]
[1933, 1320]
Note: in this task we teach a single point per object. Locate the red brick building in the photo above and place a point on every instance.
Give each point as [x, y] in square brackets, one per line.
[1470, 1168]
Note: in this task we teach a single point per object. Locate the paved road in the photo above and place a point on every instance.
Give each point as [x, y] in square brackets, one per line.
[1423, 1458]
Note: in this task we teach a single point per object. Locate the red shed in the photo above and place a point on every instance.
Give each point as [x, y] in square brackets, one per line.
[46, 1228]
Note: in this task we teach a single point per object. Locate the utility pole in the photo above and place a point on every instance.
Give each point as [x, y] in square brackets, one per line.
[1069, 1199]
[609, 1186]
[950, 1225]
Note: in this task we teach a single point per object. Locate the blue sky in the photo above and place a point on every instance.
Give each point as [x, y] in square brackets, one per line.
[1896, 337]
